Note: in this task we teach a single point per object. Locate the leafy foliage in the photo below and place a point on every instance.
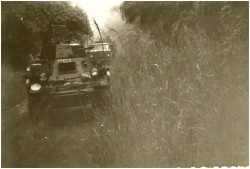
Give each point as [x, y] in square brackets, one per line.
[26, 25]
[166, 20]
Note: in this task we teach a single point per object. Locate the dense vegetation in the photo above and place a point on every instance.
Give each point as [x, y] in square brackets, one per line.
[180, 85]
[171, 18]
[26, 25]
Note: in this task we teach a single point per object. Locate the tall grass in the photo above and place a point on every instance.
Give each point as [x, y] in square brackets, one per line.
[178, 106]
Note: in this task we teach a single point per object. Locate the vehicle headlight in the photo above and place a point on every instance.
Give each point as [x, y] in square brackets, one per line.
[94, 71]
[43, 76]
[108, 73]
[27, 68]
[35, 87]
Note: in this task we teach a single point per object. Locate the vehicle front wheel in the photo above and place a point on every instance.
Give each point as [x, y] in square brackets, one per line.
[102, 97]
[36, 103]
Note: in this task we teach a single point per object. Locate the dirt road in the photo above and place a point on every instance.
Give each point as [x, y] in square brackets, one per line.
[69, 142]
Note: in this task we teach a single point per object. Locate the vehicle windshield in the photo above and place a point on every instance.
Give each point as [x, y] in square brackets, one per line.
[98, 47]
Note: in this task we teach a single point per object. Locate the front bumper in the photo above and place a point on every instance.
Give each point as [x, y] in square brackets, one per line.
[62, 98]
[70, 95]
[70, 98]
[59, 98]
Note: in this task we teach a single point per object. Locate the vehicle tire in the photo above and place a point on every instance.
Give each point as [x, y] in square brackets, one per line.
[38, 114]
[35, 105]
[89, 114]
[102, 97]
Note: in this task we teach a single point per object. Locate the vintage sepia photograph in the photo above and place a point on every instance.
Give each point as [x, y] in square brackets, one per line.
[124, 84]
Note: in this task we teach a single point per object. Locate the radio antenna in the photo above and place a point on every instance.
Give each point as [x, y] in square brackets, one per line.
[98, 29]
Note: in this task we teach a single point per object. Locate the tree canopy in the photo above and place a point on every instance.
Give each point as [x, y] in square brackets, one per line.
[26, 25]
[216, 19]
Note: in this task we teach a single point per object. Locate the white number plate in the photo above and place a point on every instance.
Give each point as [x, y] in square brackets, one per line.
[63, 60]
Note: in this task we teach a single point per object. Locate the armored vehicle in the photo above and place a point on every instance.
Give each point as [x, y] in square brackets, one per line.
[100, 53]
[64, 76]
